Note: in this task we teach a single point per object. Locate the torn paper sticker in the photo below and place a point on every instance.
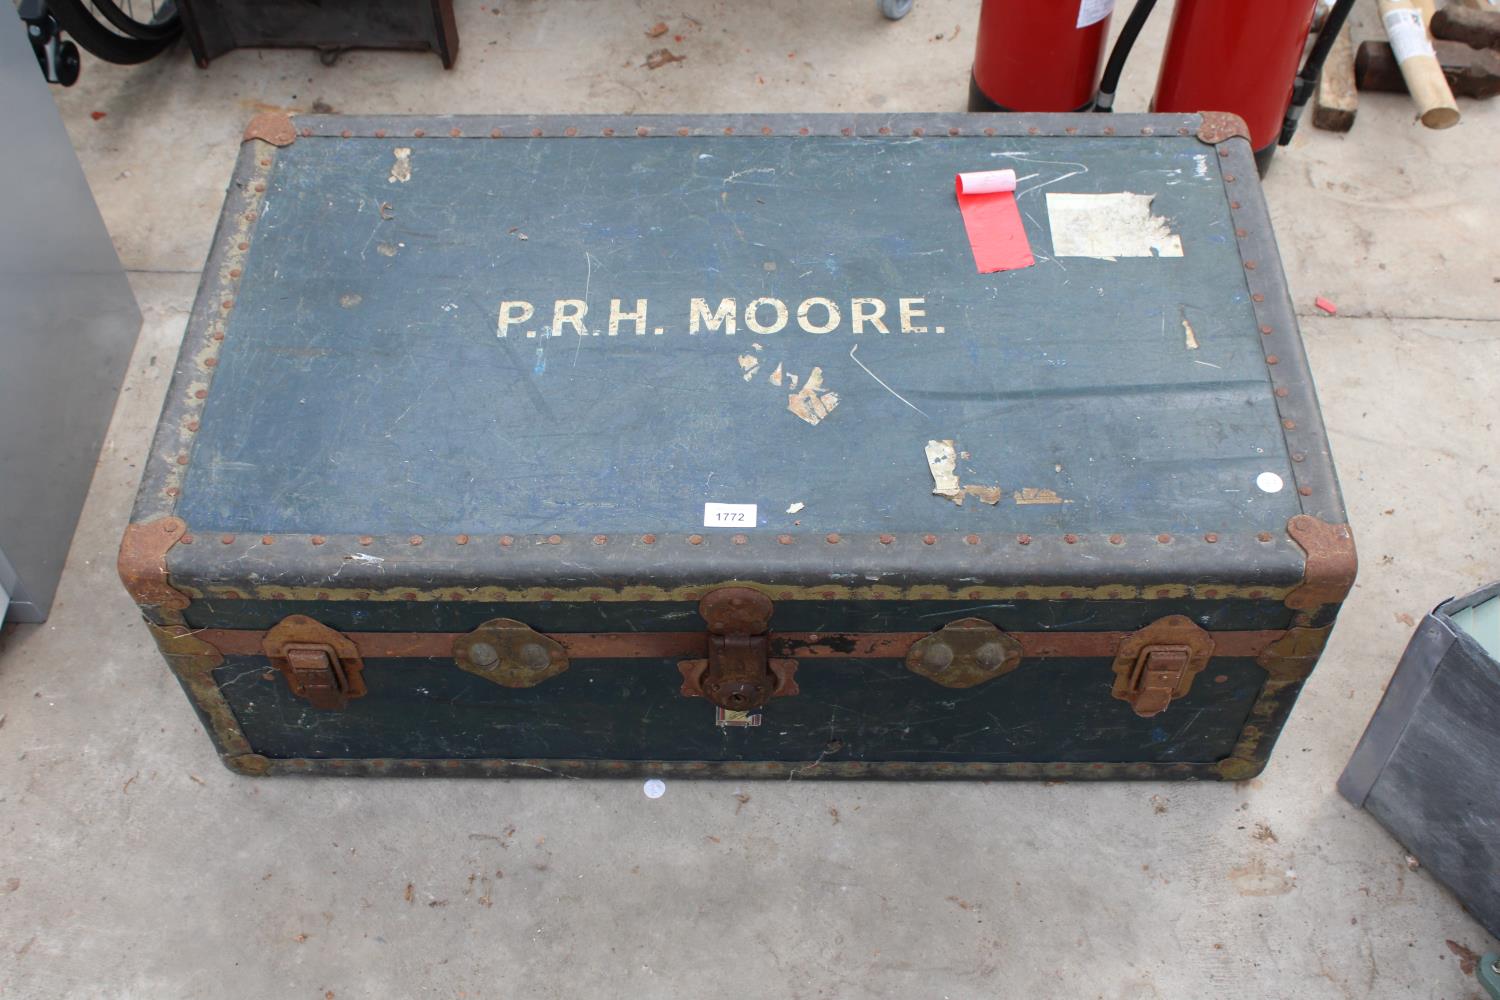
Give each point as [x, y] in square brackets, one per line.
[1108, 226]
[942, 461]
[1038, 495]
[812, 402]
[749, 365]
[796, 508]
[401, 169]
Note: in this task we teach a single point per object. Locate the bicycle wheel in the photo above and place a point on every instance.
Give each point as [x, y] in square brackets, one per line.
[116, 35]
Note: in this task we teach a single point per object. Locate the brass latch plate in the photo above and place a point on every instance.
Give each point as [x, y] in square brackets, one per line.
[964, 653]
[1157, 664]
[510, 653]
[320, 664]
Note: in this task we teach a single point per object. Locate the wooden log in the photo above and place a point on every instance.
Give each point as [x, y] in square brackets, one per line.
[1407, 30]
[1337, 101]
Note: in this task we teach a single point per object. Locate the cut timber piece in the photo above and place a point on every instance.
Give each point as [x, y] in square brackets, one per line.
[1337, 101]
[1469, 72]
[1407, 29]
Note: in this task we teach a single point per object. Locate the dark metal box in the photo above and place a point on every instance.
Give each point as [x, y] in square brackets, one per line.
[533, 446]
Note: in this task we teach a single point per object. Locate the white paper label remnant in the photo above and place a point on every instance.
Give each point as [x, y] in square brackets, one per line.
[1108, 226]
[729, 515]
[1269, 482]
[1094, 11]
[1407, 34]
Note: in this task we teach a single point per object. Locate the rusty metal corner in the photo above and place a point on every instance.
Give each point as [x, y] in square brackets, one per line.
[1328, 575]
[143, 563]
[1217, 126]
[274, 127]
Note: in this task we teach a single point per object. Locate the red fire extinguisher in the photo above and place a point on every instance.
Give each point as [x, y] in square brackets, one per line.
[1221, 55]
[1038, 55]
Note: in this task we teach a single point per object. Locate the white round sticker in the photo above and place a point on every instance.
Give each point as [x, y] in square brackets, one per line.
[655, 788]
[1269, 482]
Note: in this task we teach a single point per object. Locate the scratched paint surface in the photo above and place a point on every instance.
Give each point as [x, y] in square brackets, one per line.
[362, 386]
[1057, 710]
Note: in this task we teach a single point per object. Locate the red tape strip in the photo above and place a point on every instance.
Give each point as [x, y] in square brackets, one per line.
[996, 235]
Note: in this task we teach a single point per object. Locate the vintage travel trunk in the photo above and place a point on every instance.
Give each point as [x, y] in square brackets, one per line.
[700, 446]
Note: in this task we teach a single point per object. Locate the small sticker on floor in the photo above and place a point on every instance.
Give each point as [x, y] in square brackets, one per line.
[655, 788]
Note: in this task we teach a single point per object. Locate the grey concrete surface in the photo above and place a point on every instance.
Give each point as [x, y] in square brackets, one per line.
[133, 866]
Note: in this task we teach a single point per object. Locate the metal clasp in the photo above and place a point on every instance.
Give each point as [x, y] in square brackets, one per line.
[739, 674]
[1157, 664]
[964, 653]
[320, 664]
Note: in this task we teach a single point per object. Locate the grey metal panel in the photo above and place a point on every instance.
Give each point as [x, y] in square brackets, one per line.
[66, 331]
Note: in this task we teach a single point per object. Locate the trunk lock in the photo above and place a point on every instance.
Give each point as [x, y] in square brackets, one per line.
[739, 674]
[1158, 663]
[320, 664]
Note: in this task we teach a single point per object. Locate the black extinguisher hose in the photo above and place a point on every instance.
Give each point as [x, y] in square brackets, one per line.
[1110, 81]
[1307, 80]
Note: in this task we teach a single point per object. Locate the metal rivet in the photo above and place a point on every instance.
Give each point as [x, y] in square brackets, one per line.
[536, 133]
[729, 130]
[1282, 391]
[227, 304]
[1305, 490]
[884, 130]
[803, 131]
[1241, 233]
[171, 491]
[1210, 538]
[1234, 205]
[600, 539]
[182, 459]
[1272, 359]
[1182, 131]
[226, 539]
[832, 539]
[1249, 265]
[739, 539]
[765, 130]
[1266, 330]
[919, 132]
[415, 539]
[1109, 130]
[887, 539]
[554, 539]
[317, 539]
[1299, 456]
[570, 131]
[1148, 130]
[1023, 539]
[953, 130]
[244, 246]
[1224, 154]
[972, 539]
[695, 539]
[380, 133]
[496, 133]
[1117, 539]
[784, 539]
[186, 539]
[1264, 536]
[938, 656]
[306, 133]
[201, 394]
[210, 362]
[365, 540]
[846, 131]
[1229, 178]
[1071, 130]
[192, 425]
[643, 131]
[462, 539]
[483, 654]
[1033, 130]
[218, 336]
[989, 131]
[506, 540]
[648, 539]
[1257, 297]
[345, 134]
[929, 539]
[608, 132]
[419, 132]
[1071, 539]
[267, 540]
[1163, 539]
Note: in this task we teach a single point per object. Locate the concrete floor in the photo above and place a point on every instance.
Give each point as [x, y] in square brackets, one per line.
[133, 866]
